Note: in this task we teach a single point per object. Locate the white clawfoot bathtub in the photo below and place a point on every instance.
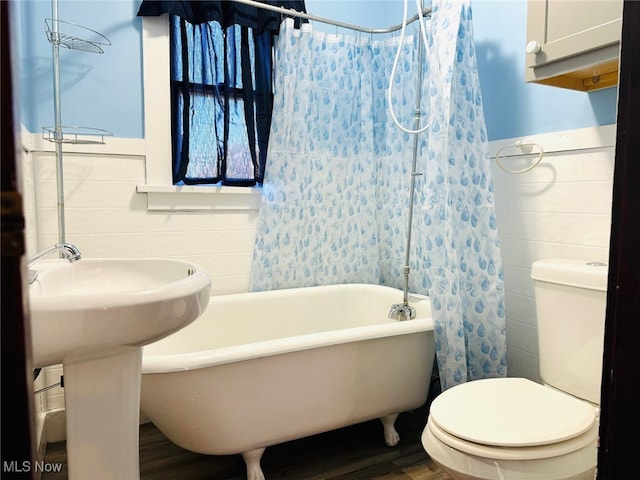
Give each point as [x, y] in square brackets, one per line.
[258, 369]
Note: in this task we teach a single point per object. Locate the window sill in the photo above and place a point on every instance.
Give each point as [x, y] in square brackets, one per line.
[198, 198]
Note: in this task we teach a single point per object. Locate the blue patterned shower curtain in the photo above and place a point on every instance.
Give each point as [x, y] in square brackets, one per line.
[336, 189]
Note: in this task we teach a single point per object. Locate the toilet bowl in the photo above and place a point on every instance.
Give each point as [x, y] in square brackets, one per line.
[518, 429]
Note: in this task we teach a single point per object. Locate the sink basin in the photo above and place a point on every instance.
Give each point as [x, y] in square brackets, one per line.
[88, 307]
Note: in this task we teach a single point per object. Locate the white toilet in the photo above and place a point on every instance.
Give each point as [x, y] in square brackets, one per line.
[517, 429]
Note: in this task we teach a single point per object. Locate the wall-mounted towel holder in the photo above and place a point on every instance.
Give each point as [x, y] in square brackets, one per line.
[525, 148]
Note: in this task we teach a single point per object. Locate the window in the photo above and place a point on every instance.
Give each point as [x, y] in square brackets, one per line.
[161, 191]
[221, 102]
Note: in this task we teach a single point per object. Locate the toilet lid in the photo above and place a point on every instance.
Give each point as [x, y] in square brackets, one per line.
[510, 412]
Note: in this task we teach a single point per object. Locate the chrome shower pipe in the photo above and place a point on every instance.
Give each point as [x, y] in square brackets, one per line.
[412, 189]
[405, 311]
[57, 112]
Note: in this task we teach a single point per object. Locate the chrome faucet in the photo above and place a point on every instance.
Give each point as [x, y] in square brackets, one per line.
[67, 250]
[402, 311]
[70, 252]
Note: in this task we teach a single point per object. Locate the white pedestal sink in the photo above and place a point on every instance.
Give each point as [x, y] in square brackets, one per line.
[94, 316]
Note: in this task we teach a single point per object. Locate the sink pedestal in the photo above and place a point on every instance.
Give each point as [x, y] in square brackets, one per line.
[102, 402]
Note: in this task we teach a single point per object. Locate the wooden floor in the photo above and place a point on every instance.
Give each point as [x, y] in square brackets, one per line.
[353, 453]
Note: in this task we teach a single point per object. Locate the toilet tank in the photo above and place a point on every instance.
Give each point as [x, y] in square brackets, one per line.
[570, 305]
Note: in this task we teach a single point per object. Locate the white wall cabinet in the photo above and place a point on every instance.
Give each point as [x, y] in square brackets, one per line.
[573, 43]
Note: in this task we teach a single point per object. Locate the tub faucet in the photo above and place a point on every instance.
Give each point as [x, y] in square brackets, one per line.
[67, 250]
[402, 311]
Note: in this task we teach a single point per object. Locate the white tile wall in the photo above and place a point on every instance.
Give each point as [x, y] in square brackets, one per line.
[561, 208]
[106, 217]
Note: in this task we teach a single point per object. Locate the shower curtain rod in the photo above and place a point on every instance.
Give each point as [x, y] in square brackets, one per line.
[294, 13]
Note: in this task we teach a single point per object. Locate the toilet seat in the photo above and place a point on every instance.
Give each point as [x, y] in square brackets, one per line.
[516, 453]
[512, 419]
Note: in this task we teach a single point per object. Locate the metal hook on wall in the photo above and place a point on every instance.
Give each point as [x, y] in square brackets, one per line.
[522, 146]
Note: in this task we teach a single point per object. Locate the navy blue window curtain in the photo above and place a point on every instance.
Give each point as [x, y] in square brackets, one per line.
[221, 87]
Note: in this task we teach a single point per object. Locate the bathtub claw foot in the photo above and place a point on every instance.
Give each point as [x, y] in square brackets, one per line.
[252, 460]
[391, 437]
